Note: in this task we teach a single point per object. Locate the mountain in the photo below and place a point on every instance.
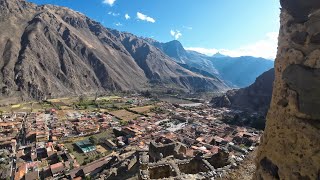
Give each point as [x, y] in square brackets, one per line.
[219, 55]
[160, 68]
[176, 51]
[236, 72]
[201, 61]
[173, 49]
[240, 71]
[254, 98]
[54, 51]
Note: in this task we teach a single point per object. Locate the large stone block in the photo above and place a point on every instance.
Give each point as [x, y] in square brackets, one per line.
[306, 82]
[300, 9]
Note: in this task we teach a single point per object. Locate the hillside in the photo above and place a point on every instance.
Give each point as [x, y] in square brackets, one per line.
[255, 98]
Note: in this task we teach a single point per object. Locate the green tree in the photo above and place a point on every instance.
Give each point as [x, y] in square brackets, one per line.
[124, 123]
[60, 158]
[93, 140]
[1, 113]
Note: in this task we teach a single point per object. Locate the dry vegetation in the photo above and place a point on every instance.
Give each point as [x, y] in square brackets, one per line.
[144, 109]
[124, 114]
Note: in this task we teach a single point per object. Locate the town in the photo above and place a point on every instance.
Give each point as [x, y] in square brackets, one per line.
[121, 137]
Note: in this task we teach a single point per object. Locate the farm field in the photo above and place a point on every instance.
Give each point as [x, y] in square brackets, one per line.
[143, 109]
[124, 114]
[175, 100]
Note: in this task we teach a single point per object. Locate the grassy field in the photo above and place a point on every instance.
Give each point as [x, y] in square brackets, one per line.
[175, 100]
[124, 114]
[81, 157]
[144, 109]
[108, 98]
[76, 152]
[26, 107]
[105, 134]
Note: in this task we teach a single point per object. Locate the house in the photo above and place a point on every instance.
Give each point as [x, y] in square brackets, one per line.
[32, 175]
[110, 144]
[22, 168]
[131, 131]
[57, 169]
[90, 169]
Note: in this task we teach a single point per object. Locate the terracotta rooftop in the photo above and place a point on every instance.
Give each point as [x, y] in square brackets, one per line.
[58, 167]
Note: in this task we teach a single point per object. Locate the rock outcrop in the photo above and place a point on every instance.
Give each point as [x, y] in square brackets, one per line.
[256, 97]
[290, 147]
[176, 51]
[55, 51]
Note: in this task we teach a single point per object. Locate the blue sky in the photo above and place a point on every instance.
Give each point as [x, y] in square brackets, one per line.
[232, 27]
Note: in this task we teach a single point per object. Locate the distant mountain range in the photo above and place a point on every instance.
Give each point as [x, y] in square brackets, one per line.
[54, 51]
[51, 51]
[240, 71]
[236, 72]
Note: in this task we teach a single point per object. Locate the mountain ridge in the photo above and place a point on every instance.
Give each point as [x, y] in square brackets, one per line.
[53, 51]
[236, 72]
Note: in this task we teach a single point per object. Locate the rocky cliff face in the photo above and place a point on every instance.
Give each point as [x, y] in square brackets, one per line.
[290, 147]
[173, 49]
[54, 51]
[254, 98]
[176, 51]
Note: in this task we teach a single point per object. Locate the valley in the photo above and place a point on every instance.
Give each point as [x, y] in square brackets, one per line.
[122, 136]
[51, 52]
[111, 90]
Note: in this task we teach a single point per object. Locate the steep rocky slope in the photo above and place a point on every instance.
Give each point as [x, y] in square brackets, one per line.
[173, 49]
[54, 51]
[48, 49]
[160, 68]
[255, 98]
[176, 51]
[291, 142]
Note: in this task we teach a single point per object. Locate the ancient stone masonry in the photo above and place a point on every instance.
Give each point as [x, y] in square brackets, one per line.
[167, 160]
[290, 147]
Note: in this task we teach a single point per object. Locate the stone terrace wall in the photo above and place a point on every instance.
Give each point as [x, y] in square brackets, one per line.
[290, 147]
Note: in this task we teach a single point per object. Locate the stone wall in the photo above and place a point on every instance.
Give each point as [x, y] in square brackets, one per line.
[161, 171]
[290, 147]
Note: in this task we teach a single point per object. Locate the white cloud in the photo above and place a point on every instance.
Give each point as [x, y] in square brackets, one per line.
[144, 17]
[172, 32]
[176, 34]
[113, 13]
[118, 24]
[265, 48]
[109, 2]
[187, 27]
[127, 16]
